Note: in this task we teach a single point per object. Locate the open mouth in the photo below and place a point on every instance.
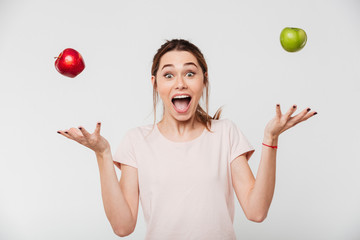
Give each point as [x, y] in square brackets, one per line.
[181, 103]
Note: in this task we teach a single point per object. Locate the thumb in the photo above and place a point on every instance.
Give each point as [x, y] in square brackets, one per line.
[97, 129]
[278, 111]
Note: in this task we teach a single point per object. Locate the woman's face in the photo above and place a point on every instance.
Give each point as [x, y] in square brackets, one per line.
[180, 84]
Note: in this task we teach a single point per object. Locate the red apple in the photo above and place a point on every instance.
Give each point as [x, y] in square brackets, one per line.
[69, 63]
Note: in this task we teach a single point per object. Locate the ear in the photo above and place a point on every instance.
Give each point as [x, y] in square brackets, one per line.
[153, 80]
[206, 80]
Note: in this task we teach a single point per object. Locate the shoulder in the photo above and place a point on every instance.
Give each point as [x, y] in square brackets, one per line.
[222, 124]
[139, 133]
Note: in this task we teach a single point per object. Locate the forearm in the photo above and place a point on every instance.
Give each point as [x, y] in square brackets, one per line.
[116, 207]
[262, 193]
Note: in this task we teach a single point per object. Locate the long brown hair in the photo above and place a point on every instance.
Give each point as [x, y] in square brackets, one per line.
[183, 45]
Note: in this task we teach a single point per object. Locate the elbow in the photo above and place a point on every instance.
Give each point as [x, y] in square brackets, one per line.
[122, 233]
[257, 218]
[123, 228]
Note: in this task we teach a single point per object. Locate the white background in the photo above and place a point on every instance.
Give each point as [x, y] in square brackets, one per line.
[50, 185]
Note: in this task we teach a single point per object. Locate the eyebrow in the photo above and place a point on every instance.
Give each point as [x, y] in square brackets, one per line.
[185, 64]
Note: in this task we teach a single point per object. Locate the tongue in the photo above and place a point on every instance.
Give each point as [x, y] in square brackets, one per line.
[181, 103]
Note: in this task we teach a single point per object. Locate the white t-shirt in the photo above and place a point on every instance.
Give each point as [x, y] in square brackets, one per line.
[186, 189]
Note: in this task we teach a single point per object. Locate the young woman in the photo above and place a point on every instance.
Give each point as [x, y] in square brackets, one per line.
[186, 167]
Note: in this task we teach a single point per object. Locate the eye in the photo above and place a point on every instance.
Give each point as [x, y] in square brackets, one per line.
[190, 74]
[167, 75]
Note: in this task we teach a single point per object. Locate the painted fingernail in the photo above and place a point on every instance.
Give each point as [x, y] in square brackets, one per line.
[99, 123]
[277, 105]
[308, 109]
[80, 128]
[315, 113]
[294, 106]
[66, 132]
[58, 132]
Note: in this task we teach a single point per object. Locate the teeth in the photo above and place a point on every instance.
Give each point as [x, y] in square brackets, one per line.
[182, 96]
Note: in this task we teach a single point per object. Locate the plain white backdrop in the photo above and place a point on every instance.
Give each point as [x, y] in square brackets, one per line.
[50, 185]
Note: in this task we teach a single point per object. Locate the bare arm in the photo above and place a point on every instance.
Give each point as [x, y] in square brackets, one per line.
[116, 206]
[255, 196]
[261, 195]
[120, 199]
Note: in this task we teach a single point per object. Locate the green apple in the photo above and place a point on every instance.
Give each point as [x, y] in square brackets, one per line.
[293, 39]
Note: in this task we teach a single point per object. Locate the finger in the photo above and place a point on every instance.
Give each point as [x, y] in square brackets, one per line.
[64, 133]
[300, 117]
[74, 133]
[309, 115]
[97, 129]
[303, 116]
[290, 111]
[84, 132]
[278, 110]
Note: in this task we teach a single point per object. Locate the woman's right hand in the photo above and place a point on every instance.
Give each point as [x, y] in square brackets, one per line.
[94, 141]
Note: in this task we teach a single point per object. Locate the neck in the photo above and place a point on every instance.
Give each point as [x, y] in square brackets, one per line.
[177, 128]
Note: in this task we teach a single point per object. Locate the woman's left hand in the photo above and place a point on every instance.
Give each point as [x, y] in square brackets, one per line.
[282, 122]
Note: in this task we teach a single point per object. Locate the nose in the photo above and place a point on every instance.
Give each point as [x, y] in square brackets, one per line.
[180, 83]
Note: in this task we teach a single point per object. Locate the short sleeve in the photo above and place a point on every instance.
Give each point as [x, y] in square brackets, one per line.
[125, 151]
[239, 143]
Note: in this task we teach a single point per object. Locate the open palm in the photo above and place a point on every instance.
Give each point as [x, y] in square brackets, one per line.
[93, 141]
[282, 122]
